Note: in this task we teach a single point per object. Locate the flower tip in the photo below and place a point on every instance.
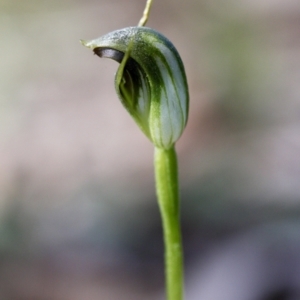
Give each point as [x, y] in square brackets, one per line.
[82, 42]
[85, 43]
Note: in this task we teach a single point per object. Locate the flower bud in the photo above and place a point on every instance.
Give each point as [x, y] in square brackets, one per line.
[150, 82]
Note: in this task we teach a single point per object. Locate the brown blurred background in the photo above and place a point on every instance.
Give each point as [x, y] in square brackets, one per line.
[78, 213]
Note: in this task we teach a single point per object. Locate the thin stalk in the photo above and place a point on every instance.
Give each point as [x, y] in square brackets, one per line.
[146, 13]
[166, 176]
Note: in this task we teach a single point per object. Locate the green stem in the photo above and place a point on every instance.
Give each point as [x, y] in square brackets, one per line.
[166, 176]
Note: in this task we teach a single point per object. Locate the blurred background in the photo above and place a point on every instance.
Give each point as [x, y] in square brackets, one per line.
[78, 212]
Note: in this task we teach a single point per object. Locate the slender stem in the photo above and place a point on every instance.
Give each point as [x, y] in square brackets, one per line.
[168, 200]
[146, 13]
[142, 22]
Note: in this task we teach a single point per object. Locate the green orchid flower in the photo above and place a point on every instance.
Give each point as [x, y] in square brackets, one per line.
[150, 81]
